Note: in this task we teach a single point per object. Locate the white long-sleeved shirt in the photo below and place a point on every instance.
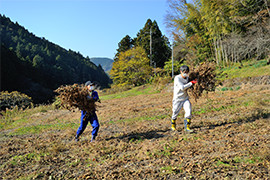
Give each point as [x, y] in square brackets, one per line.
[180, 88]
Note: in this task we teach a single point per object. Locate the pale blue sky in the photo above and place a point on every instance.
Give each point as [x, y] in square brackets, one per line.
[92, 27]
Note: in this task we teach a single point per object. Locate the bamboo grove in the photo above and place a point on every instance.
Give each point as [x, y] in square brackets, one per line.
[224, 31]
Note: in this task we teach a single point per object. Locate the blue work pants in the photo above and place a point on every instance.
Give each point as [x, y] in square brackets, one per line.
[92, 118]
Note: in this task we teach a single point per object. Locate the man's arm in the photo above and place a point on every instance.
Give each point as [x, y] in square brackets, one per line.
[95, 96]
[179, 86]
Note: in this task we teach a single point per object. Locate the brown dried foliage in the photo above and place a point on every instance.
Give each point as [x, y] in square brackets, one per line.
[75, 96]
[205, 75]
[135, 141]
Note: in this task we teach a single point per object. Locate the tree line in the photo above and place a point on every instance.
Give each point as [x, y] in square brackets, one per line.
[36, 67]
[224, 31]
[137, 57]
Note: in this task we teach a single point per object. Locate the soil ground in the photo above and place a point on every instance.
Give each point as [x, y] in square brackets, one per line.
[231, 139]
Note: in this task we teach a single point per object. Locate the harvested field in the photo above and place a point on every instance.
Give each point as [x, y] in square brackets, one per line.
[231, 139]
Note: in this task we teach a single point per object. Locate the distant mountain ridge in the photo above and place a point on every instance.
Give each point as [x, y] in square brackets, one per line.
[106, 63]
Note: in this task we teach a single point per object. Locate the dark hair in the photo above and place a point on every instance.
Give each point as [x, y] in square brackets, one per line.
[184, 68]
[88, 83]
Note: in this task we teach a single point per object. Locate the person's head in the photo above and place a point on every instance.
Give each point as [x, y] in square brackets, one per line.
[89, 85]
[184, 70]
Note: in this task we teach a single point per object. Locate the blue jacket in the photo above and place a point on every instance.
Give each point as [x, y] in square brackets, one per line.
[94, 95]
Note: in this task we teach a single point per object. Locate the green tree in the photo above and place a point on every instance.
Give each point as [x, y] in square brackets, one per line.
[58, 58]
[132, 68]
[150, 35]
[188, 28]
[161, 50]
[125, 44]
[224, 30]
[168, 67]
[37, 61]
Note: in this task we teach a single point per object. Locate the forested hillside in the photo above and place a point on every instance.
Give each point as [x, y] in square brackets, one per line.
[36, 67]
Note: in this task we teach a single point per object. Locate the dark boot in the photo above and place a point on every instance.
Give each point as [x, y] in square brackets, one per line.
[76, 138]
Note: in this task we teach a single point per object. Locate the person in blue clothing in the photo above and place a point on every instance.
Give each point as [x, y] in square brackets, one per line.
[89, 117]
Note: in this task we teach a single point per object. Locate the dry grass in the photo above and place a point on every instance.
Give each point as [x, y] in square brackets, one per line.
[231, 140]
[206, 79]
[76, 96]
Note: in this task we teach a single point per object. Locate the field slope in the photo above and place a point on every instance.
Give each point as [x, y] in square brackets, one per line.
[231, 138]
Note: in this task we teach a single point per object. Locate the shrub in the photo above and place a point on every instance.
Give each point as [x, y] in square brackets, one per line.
[13, 99]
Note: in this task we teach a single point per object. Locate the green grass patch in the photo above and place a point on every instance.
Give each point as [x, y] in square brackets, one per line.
[250, 68]
[171, 170]
[136, 140]
[229, 88]
[19, 160]
[208, 109]
[223, 163]
[31, 176]
[36, 129]
[19, 116]
[248, 160]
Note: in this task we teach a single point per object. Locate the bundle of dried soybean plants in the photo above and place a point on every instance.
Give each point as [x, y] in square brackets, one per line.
[75, 96]
[205, 75]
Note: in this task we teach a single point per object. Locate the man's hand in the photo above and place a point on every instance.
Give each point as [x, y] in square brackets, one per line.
[194, 81]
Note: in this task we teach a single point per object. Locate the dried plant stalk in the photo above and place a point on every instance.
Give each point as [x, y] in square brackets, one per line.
[75, 96]
[205, 75]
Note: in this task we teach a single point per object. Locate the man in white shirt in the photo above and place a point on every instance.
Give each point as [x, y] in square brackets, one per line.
[181, 98]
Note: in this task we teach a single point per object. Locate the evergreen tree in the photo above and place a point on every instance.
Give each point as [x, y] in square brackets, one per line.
[161, 50]
[125, 44]
[151, 35]
[37, 61]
